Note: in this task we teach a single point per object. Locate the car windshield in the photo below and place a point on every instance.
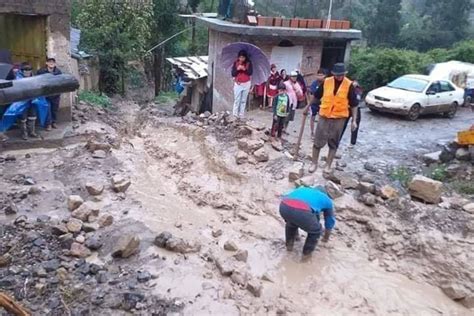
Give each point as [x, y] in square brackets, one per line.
[409, 84]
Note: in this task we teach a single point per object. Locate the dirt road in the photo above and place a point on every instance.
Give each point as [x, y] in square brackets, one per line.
[382, 260]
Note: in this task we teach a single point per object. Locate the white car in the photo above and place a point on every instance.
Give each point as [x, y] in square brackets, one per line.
[414, 95]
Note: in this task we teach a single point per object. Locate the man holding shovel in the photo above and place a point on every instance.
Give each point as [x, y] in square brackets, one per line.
[338, 97]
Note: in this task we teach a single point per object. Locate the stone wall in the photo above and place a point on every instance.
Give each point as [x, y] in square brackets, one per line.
[58, 14]
[221, 78]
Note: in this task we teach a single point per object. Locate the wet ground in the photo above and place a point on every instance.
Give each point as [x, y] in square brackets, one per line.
[187, 182]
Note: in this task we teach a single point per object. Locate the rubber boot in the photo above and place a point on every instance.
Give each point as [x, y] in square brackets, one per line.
[24, 130]
[32, 127]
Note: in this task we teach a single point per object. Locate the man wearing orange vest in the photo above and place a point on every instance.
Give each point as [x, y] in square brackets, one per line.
[338, 97]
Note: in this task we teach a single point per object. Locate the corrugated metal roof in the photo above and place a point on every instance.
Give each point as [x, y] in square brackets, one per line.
[194, 67]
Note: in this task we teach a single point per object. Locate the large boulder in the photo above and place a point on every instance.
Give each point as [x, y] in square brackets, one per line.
[120, 183]
[94, 188]
[432, 157]
[85, 211]
[73, 202]
[241, 157]
[454, 291]
[333, 190]
[126, 246]
[463, 154]
[426, 189]
[261, 155]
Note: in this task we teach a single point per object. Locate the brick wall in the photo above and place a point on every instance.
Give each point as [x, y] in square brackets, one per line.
[58, 14]
[221, 78]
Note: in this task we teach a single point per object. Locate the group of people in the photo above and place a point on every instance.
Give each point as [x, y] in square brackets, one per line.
[28, 116]
[333, 100]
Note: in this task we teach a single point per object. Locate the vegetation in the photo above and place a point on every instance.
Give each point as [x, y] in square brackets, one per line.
[166, 97]
[402, 174]
[94, 98]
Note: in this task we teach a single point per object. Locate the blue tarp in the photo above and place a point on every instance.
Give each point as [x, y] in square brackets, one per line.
[15, 110]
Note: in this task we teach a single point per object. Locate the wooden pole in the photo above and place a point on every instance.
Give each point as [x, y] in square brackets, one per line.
[11, 306]
[300, 136]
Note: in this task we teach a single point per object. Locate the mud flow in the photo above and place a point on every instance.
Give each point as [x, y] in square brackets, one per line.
[210, 235]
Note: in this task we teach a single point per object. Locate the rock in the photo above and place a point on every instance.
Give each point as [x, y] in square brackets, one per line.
[29, 181]
[368, 199]
[34, 190]
[241, 157]
[80, 251]
[120, 183]
[468, 302]
[277, 145]
[370, 167]
[255, 287]
[469, 208]
[432, 157]
[85, 211]
[106, 220]
[230, 246]
[94, 145]
[334, 176]
[243, 131]
[80, 239]
[94, 242]
[349, 203]
[349, 183]
[296, 171]
[454, 291]
[143, 277]
[43, 218]
[366, 187]
[388, 192]
[66, 240]
[10, 208]
[267, 277]
[463, 154]
[333, 190]
[99, 154]
[217, 233]
[241, 255]
[126, 246]
[90, 227]
[225, 267]
[250, 145]
[94, 188]
[10, 158]
[74, 225]
[175, 244]
[261, 155]
[239, 278]
[449, 152]
[426, 189]
[59, 230]
[73, 202]
[51, 265]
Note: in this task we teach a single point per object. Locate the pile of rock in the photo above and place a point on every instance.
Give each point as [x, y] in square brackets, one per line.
[251, 150]
[459, 160]
[36, 270]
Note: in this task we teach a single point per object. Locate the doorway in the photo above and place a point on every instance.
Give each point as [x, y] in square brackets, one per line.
[24, 36]
[333, 53]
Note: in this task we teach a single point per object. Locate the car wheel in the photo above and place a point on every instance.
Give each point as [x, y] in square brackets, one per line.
[373, 110]
[453, 108]
[468, 101]
[414, 112]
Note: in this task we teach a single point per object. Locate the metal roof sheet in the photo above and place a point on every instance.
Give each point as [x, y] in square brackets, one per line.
[194, 67]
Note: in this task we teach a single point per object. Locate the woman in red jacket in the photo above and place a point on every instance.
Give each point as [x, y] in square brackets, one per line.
[242, 74]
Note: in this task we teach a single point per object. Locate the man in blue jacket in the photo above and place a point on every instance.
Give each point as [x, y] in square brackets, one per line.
[54, 100]
[301, 208]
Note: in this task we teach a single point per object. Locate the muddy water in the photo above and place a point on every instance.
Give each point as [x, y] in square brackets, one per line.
[337, 281]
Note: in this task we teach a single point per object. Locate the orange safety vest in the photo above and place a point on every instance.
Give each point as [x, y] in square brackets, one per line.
[335, 106]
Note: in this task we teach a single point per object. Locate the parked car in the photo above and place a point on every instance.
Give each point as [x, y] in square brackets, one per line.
[415, 95]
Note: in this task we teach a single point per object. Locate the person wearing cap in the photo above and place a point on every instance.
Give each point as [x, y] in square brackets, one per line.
[302, 209]
[242, 73]
[338, 98]
[54, 99]
[281, 109]
[272, 84]
[294, 91]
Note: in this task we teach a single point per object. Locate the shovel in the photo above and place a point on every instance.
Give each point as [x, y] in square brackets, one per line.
[300, 136]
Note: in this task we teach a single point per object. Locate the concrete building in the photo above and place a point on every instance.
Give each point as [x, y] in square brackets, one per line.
[31, 30]
[289, 48]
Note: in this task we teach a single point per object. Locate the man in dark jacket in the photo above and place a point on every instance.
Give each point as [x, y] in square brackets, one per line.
[54, 99]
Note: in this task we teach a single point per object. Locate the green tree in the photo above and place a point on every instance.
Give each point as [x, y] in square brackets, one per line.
[384, 27]
[117, 31]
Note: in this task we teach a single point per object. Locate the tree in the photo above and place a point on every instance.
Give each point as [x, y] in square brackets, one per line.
[384, 27]
[117, 31]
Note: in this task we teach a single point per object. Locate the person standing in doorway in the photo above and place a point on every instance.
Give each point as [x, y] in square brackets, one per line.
[338, 98]
[242, 73]
[54, 99]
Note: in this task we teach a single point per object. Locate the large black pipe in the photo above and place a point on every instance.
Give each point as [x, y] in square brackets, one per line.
[33, 87]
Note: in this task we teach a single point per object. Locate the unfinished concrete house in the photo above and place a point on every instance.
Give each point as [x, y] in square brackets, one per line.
[291, 44]
[32, 30]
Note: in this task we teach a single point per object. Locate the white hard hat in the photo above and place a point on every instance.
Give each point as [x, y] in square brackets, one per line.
[293, 74]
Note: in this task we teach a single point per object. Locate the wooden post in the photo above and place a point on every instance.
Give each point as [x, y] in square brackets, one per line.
[300, 136]
[157, 70]
[11, 306]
